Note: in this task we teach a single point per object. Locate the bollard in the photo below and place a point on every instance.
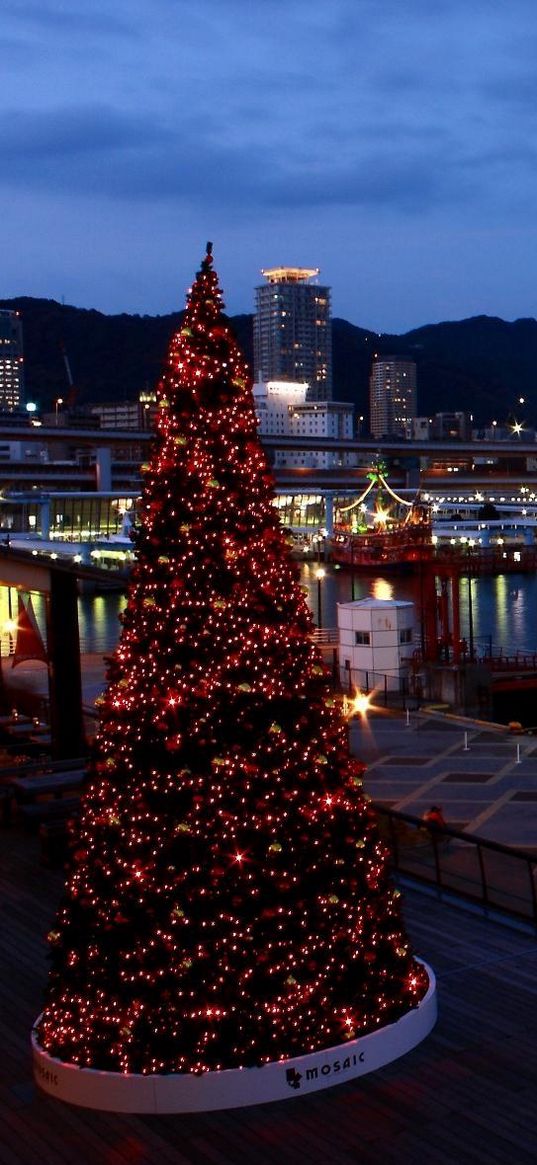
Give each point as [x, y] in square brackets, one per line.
[518, 760]
[408, 718]
[466, 745]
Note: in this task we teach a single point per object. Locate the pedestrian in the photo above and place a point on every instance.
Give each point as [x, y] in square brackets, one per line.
[436, 823]
[434, 817]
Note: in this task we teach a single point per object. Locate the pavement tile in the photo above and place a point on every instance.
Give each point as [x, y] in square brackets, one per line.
[468, 778]
[473, 773]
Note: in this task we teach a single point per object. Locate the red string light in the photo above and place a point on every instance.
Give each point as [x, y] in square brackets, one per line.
[228, 900]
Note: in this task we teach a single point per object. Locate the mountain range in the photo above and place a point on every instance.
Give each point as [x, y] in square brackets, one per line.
[481, 365]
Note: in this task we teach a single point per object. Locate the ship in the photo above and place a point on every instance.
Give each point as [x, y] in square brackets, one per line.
[381, 530]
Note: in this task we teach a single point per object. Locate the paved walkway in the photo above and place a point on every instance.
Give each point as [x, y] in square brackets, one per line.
[484, 777]
[465, 1096]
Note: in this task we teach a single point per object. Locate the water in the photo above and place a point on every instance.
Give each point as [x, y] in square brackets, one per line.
[503, 608]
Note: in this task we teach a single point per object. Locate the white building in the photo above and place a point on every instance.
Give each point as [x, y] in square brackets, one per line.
[283, 410]
[376, 642]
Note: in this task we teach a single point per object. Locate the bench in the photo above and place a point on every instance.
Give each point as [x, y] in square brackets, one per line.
[59, 809]
[32, 787]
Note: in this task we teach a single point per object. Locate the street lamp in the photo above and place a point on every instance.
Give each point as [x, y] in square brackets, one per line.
[319, 575]
[57, 403]
[360, 704]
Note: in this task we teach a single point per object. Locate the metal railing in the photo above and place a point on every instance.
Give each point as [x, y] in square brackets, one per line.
[325, 635]
[493, 876]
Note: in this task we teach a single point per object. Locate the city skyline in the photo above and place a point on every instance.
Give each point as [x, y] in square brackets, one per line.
[393, 150]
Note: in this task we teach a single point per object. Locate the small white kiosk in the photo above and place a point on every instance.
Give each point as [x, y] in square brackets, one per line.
[376, 641]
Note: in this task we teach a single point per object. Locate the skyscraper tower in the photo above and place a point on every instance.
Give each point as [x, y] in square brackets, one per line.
[392, 396]
[11, 357]
[293, 330]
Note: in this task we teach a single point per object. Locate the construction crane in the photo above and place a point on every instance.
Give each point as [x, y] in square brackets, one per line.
[71, 395]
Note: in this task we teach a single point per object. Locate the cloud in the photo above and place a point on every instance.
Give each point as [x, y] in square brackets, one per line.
[97, 151]
[53, 17]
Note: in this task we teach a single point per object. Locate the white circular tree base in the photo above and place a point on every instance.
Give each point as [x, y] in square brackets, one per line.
[236, 1087]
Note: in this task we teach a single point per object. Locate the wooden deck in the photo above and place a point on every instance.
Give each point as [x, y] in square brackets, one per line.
[468, 1094]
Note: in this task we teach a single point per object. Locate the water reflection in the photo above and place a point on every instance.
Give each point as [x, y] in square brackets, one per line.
[503, 608]
[382, 589]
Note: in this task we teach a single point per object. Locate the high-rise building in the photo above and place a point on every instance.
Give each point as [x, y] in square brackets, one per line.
[293, 330]
[11, 360]
[392, 396]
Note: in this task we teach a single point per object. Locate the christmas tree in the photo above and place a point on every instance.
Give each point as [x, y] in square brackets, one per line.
[228, 900]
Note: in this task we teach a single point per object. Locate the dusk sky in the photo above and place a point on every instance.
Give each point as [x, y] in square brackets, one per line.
[392, 143]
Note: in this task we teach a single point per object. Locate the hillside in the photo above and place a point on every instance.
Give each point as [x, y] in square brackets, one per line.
[482, 364]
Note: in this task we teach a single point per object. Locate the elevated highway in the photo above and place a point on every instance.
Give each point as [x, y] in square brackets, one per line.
[85, 459]
[367, 446]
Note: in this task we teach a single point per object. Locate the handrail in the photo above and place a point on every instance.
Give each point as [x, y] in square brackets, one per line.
[495, 876]
[325, 635]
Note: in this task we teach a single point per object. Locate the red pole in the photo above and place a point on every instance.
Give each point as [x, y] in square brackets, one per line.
[455, 603]
[430, 612]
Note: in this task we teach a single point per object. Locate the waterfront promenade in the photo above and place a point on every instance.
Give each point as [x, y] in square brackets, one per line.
[483, 776]
[466, 1096]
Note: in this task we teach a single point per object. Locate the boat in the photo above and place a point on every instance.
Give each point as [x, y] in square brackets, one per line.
[386, 533]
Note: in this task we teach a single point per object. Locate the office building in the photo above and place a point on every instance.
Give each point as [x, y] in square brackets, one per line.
[284, 409]
[293, 330]
[137, 415]
[11, 361]
[392, 396]
[452, 427]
